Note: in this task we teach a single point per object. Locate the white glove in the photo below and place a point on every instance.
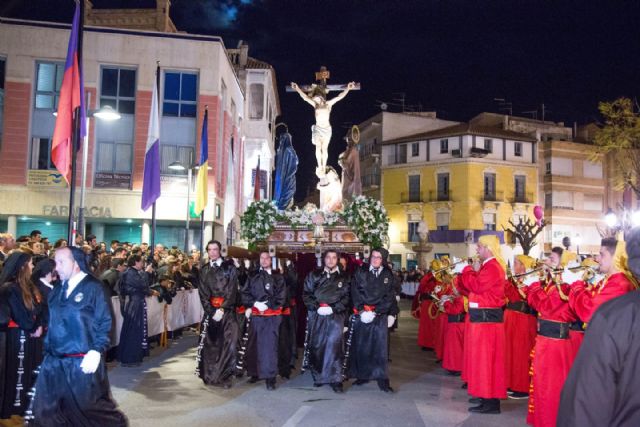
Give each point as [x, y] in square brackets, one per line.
[247, 313]
[325, 311]
[530, 279]
[367, 316]
[570, 277]
[390, 321]
[457, 269]
[218, 316]
[90, 362]
[260, 306]
[397, 298]
[345, 329]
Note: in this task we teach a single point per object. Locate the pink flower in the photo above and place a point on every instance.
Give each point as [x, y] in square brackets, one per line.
[317, 219]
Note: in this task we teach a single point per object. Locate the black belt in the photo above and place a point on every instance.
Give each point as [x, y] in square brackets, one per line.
[520, 306]
[456, 318]
[550, 329]
[577, 326]
[485, 315]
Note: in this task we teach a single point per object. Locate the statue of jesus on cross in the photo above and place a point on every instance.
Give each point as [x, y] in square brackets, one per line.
[316, 96]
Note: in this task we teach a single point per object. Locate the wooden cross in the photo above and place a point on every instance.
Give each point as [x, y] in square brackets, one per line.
[322, 76]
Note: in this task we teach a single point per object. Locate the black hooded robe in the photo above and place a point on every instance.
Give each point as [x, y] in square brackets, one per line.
[325, 339]
[133, 346]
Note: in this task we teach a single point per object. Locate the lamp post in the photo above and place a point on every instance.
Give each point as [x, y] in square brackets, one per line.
[622, 222]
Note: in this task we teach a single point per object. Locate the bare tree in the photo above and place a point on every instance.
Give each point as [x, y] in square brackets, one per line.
[525, 232]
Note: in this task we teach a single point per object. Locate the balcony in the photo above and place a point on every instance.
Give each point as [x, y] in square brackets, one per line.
[406, 238]
[522, 198]
[439, 196]
[495, 196]
[411, 197]
[479, 152]
[371, 181]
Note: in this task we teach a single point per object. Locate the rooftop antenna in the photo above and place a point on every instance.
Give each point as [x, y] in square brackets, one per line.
[504, 105]
[533, 113]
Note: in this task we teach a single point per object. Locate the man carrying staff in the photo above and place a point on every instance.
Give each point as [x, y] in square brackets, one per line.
[326, 295]
[374, 308]
[484, 283]
[219, 337]
[72, 387]
[264, 296]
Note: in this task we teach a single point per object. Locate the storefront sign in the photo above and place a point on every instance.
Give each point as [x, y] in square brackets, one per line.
[112, 180]
[90, 211]
[45, 178]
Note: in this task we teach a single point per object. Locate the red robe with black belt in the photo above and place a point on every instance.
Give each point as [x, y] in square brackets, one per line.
[440, 321]
[584, 302]
[552, 358]
[422, 306]
[486, 341]
[452, 358]
[520, 334]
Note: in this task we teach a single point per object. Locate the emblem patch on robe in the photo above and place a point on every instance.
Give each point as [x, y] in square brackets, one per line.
[267, 286]
[339, 284]
[386, 280]
[78, 297]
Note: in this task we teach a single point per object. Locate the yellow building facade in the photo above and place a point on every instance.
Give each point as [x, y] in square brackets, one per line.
[463, 181]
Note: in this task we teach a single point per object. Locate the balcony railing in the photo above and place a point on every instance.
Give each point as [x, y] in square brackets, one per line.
[371, 180]
[439, 196]
[411, 197]
[495, 196]
[523, 198]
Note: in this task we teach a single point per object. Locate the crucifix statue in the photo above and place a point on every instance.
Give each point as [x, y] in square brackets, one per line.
[316, 96]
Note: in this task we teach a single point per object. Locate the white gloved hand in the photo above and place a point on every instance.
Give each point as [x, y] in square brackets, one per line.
[325, 311]
[367, 316]
[345, 329]
[397, 298]
[90, 362]
[570, 277]
[390, 321]
[530, 279]
[247, 313]
[260, 306]
[457, 269]
[218, 316]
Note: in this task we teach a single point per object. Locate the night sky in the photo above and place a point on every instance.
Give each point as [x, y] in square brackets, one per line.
[453, 57]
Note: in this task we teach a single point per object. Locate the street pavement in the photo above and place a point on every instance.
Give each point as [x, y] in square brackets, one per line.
[164, 391]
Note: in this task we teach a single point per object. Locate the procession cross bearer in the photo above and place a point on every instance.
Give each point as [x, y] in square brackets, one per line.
[316, 96]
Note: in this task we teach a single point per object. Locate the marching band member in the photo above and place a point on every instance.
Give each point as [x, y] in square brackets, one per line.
[216, 360]
[437, 313]
[453, 305]
[553, 353]
[375, 308]
[520, 330]
[264, 296]
[421, 308]
[484, 283]
[326, 295]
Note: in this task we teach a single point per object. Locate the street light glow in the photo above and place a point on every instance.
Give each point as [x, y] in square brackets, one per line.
[107, 114]
[635, 218]
[611, 219]
[176, 166]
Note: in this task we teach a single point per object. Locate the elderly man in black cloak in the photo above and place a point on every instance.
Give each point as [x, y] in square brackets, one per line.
[375, 307]
[72, 388]
[217, 354]
[326, 295]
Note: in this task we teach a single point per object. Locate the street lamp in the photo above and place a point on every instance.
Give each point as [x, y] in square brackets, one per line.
[611, 219]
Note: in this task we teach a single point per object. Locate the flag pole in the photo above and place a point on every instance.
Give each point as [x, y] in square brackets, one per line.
[153, 206]
[75, 139]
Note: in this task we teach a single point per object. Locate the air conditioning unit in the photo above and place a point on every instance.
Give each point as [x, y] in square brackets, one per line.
[456, 153]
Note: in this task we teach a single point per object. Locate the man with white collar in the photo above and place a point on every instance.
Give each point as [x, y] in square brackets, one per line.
[326, 295]
[264, 296]
[374, 308]
[72, 387]
[216, 359]
[484, 284]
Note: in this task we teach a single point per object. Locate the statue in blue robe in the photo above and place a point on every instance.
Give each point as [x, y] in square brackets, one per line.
[286, 167]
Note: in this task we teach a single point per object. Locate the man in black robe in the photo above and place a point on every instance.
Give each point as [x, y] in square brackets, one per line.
[326, 295]
[72, 388]
[216, 360]
[264, 296]
[602, 386]
[374, 306]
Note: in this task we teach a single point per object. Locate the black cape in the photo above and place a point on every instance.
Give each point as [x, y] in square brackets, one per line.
[133, 346]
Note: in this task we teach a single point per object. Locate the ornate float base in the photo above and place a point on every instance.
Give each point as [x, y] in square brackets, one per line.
[287, 239]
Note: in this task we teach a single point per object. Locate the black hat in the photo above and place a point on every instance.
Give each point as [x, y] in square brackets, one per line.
[12, 266]
[42, 268]
[81, 259]
[633, 251]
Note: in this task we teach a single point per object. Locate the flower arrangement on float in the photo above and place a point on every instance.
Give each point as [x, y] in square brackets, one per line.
[367, 218]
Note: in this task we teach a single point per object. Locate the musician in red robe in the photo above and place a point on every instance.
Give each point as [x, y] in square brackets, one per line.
[520, 330]
[453, 306]
[553, 353]
[485, 285]
[421, 309]
[585, 299]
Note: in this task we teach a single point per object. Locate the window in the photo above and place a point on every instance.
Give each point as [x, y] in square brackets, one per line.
[256, 104]
[548, 201]
[180, 91]
[591, 170]
[489, 220]
[415, 149]
[413, 231]
[488, 145]
[592, 202]
[114, 157]
[48, 82]
[221, 131]
[118, 89]
[171, 153]
[414, 188]
[41, 154]
[547, 168]
[444, 146]
[517, 149]
[443, 186]
[442, 221]
[402, 153]
[562, 166]
[562, 199]
[489, 186]
[520, 182]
